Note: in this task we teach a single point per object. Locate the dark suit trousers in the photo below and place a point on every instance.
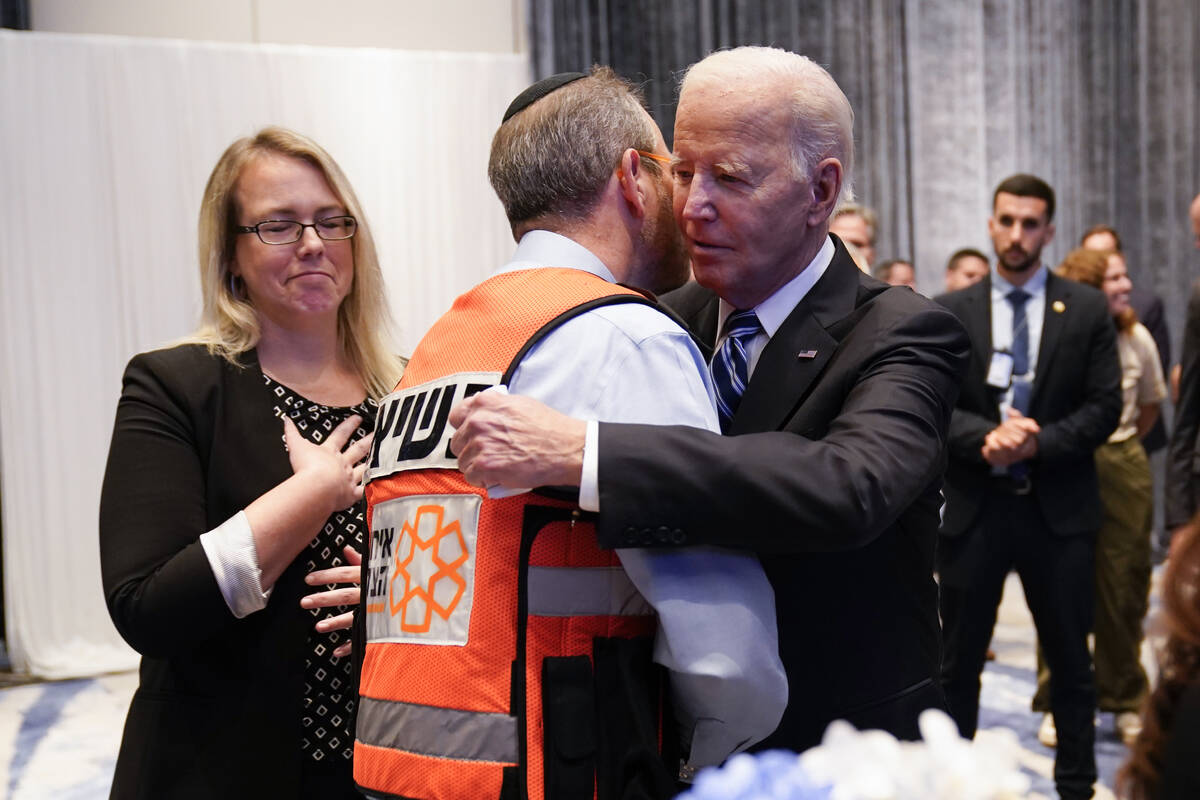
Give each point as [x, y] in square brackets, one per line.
[1057, 575]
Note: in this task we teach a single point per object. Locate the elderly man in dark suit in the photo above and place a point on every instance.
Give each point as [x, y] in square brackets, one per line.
[835, 392]
[1041, 394]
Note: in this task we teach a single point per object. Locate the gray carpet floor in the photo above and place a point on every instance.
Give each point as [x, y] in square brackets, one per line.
[61, 738]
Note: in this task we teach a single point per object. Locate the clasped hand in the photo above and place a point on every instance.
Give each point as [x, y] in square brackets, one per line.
[1013, 440]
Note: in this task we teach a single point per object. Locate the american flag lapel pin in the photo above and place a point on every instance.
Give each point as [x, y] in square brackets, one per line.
[807, 354]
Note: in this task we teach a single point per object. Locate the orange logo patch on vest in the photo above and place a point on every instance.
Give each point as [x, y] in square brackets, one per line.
[422, 567]
[426, 578]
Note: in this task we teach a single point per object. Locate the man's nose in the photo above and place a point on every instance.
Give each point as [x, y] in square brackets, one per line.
[697, 203]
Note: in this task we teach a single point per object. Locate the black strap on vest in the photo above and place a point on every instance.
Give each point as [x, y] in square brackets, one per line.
[571, 493]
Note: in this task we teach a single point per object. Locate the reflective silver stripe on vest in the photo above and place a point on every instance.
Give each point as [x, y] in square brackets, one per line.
[438, 732]
[584, 591]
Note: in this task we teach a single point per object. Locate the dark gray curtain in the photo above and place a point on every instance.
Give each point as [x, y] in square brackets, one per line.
[14, 14]
[1100, 97]
[860, 41]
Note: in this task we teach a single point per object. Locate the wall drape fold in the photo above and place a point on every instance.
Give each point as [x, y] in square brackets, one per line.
[105, 146]
[1100, 98]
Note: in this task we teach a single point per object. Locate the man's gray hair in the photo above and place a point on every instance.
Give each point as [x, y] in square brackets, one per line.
[551, 160]
[822, 120]
[865, 213]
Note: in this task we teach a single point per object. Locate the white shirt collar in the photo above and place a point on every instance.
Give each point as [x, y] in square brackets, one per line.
[776, 308]
[1035, 285]
[546, 249]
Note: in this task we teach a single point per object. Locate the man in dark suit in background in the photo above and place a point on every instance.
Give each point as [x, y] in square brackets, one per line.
[1042, 392]
[834, 457]
[1183, 456]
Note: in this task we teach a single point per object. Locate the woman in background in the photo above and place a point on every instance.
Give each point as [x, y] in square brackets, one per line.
[213, 510]
[1126, 495]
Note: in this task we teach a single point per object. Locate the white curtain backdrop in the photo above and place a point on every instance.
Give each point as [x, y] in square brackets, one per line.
[105, 145]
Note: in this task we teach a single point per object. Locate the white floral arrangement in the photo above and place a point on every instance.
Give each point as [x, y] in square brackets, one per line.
[874, 765]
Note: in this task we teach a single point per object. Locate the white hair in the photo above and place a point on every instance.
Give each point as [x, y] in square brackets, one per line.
[822, 120]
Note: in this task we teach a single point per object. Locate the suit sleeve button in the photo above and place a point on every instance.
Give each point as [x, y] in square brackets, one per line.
[663, 533]
[678, 536]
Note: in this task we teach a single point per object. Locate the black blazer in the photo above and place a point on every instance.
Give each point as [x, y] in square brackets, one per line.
[832, 473]
[217, 711]
[1183, 456]
[1076, 401]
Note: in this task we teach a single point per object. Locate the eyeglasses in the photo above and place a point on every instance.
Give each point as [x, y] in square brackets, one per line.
[655, 156]
[286, 231]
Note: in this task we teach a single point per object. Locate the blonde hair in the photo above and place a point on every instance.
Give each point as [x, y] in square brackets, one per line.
[228, 322]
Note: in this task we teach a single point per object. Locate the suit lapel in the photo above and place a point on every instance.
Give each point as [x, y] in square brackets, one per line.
[704, 324]
[978, 320]
[1054, 318]
[799, 350]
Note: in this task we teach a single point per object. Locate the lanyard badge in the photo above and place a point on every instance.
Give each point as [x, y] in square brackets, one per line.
[1000, 370]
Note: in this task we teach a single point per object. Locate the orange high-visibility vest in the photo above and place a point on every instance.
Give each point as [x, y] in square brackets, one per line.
[479, 611]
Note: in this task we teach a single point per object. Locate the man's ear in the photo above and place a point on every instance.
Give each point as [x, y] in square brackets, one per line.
[826, 185]
[630, 175]
[1049, 233]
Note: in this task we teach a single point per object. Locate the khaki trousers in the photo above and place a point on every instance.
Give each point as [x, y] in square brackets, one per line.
[1122, 579]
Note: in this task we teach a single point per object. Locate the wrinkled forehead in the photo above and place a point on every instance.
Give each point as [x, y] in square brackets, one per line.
[750, 109]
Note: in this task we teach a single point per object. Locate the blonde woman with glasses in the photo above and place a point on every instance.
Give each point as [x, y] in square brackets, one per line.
[234, 472]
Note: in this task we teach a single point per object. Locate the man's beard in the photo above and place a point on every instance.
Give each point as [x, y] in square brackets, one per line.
[664, 246]
[1029, 262]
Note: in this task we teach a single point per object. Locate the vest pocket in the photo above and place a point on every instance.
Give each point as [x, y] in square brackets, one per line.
[628, 687]
[568, 718]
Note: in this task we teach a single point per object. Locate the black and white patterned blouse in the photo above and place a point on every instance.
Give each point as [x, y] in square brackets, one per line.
[329, 693]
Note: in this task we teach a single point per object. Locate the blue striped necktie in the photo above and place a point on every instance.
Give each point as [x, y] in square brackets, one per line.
[1022, 389]
[731, 366]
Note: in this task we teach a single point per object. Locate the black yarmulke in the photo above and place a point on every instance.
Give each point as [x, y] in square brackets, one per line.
[539, 90]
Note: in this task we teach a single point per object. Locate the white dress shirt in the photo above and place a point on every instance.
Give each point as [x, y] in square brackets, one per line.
[716, 610]
[1002, 323]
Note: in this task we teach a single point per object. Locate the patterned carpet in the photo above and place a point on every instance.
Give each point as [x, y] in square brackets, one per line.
[1009, 683]
[62, 737]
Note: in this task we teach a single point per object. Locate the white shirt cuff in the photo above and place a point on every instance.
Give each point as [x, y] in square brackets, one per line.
[234, 561]
[589, 481]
